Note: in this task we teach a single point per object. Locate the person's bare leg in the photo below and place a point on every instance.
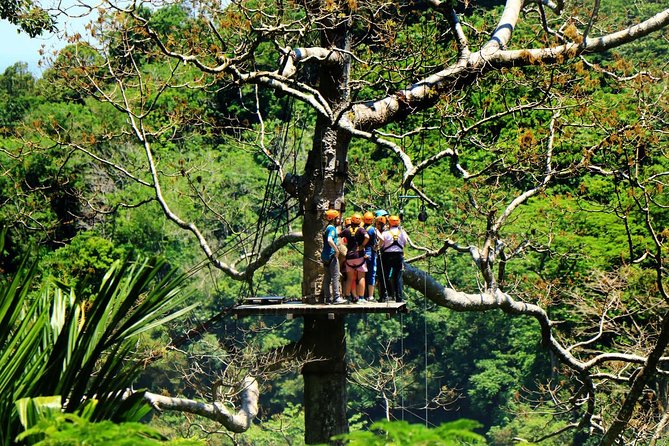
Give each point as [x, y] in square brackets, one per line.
[350, 284]
[360, 290]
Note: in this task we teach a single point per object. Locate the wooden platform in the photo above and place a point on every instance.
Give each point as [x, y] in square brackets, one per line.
[291, 309]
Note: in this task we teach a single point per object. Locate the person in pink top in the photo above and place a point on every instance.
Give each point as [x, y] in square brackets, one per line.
[356, 240]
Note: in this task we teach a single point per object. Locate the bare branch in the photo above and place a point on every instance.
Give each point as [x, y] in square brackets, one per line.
[217, 411]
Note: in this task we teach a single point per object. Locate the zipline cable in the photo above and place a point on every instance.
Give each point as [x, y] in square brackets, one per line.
[280, 144]
[425, 342]
[402, 358]
[422, 216]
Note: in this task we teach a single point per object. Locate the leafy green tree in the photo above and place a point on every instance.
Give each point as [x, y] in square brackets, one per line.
[29, 16]
[17, 95]
[536, 129]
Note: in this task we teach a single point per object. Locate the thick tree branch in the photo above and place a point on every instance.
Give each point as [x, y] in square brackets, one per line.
[572, 50]
[443, 296]
[459, 35]
[300, 55]
[507, 23]
[266, 254]
[235, 422]
[426, 92]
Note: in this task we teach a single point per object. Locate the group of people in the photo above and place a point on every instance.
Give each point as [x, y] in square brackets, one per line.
[366, 250]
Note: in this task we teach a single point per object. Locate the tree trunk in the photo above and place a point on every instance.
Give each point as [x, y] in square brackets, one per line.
[322, 186]
[325, 376]
[324, 379]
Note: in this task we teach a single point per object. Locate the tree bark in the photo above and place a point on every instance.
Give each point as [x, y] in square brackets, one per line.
[239, 421]
[321, 187]
[324, 379]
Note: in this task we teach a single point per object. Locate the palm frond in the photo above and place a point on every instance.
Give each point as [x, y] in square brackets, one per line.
[55, 344]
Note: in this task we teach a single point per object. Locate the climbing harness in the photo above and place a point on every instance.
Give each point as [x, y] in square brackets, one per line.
[396, 235]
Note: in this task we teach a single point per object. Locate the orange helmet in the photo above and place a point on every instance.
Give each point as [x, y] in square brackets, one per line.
[355, 218]
[394, 220]
[331, 214]
[368, 218]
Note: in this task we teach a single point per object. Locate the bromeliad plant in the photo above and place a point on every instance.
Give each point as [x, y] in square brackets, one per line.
[54, 344]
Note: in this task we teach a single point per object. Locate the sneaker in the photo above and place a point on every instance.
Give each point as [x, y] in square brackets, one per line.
[371, 300]
[340, 301]
[362, 300]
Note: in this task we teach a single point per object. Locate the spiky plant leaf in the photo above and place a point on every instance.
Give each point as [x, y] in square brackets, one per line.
[53, 343]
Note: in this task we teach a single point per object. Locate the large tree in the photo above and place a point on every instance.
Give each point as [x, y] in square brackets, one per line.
[507, 121]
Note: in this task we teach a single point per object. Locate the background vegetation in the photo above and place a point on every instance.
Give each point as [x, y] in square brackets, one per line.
[72, 226]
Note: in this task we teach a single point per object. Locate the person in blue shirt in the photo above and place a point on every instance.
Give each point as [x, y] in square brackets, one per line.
[371, 255]
[329, 255]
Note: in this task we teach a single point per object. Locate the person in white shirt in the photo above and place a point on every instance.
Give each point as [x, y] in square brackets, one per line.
[392, 258]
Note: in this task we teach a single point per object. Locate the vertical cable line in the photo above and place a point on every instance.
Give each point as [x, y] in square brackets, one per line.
[425, 342]
[402, 358]
[422, 210]
[267, 203]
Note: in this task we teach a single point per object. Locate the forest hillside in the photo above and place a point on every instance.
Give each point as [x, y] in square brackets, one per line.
[180, 158]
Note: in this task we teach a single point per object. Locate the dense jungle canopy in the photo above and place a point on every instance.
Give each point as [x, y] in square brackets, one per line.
[180, 156]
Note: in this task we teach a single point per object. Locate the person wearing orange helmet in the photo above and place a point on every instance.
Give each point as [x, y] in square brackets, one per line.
[392, 258]
[331, 285]
[380, 226]
[371, 255]
[356, 267]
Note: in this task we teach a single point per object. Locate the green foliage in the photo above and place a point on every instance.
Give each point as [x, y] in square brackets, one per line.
[206, 139]
[53, 343]
[72, 430]
[402, 433]
[27, 15]
[17, 96]
[83, 263]
[523, 422]
[285, 427]
[33, 410]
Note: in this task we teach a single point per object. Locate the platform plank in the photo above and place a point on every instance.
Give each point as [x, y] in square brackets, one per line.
[302, 309]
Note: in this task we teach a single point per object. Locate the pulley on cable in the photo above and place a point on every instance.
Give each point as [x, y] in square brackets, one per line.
[422, 215]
